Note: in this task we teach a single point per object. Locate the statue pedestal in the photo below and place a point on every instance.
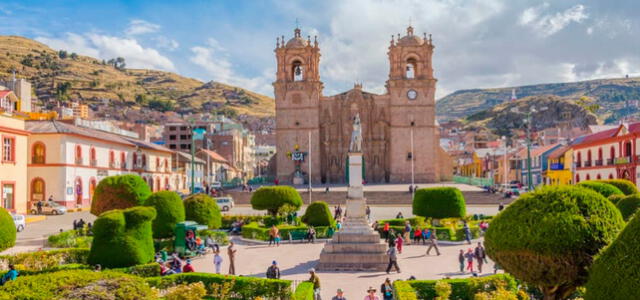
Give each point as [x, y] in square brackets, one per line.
[298, 180]
[356, 247]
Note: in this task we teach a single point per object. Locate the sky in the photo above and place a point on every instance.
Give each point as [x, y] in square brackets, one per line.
[478, 43]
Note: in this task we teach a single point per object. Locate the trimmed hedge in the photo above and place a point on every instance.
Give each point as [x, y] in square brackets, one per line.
[615, 198]
[414, 221]
[304, 291]
[69, 239]
[626, 186]
[258, 232]
[220, 237]
[604, 189]
[548, 237]
[228, 220]
[43, 260]
[629, 206]
[241, 287]
[77, 284]
[275, 198]
[202, 209]
[169, 212]
[7, 230]
[318, 214]
[614, 274]
[123, 238]
[439, 202]
[463, 289]
[402, 290]
[119, 192]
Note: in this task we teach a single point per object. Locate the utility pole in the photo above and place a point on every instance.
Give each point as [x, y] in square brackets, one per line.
[505, 177]
[529, 177]
[413, 185]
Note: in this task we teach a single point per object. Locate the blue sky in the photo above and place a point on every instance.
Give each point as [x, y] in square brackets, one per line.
[479, 43]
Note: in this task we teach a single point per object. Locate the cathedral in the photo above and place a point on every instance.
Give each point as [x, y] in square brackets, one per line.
[400, 140]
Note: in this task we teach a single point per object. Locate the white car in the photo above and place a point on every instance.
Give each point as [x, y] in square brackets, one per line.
[50, 208]
[19, 221]
[225, 203]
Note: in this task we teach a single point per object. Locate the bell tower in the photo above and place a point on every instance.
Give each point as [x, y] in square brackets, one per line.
[297, 95]
[411, 88]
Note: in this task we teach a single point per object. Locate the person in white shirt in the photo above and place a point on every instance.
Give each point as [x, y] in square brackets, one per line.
[217, 261]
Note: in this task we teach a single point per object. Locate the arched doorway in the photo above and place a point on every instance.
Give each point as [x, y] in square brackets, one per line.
[166, 183]
[157, 185]
[150, 183]
[37, 190]
[626, 175]
[78, 191]
[92, 188]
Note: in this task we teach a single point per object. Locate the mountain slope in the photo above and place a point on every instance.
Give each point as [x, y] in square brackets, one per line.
[610, 94]
[69, 77]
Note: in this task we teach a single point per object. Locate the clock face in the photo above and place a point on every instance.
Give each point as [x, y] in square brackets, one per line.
[412, 94]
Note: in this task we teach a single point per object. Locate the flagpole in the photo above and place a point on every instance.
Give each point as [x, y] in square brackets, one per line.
[309, 167]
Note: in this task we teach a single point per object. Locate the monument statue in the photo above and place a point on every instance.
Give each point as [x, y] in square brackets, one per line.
[356, 135]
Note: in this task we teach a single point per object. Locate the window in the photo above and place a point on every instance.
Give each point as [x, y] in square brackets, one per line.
[172, 146]
[627, 149]
[123, 160]
[157, 163]
[38, 153]
[588, 177]
[167, 166]
[598, 177]
[8, 149]
[183, 127]
[297, 71]
[172, 137]
[92, 157]
[183, 136]
[8, 196]
[610, 176]
[112, 159]
[411, 68]
[144, 160]
[78, 155]
[577, 178]
[135, 160]
[172, 128]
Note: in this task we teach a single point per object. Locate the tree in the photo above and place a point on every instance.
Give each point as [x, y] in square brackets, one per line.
[7, 230]
[549, 237]
[62, 91]
[141, 99]
[118, 192]
[318, 214]
[62, 54]
[123, 238]
[74, 56]
[169, 210]
[439, 202]
[274, 198]
[588, 104]
[203, 209]
[614, 274]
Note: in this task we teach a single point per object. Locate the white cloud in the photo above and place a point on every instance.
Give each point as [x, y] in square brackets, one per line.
[166, 43]
[547, 25]
[137, 27]
[107, 47]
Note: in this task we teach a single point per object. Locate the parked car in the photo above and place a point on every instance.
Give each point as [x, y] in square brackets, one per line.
[50, 208]
[225, 203]
[19, 221]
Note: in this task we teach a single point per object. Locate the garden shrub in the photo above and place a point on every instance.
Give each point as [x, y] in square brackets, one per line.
[257, 232]
[464, 289]
[43, 260]
[274, 199]
[169, 212]
[626, 186]
[602, 188]
[203, 210]
[69, 239]
[145, 270]
[191, 291]
[615, 198]
[220, 237]
[548, 237]
[439, 202]
[228, 220]
[414, 221]
[443, 290]
[241, 287]
[318, 214]
[304, 291]
[7, 230]
[614, 274]
[629, 206]
[119, 192]
[402, 290]
[77, 284]
[123, 238]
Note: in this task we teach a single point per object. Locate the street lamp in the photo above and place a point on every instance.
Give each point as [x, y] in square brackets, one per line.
[529, 124]
[504, 176]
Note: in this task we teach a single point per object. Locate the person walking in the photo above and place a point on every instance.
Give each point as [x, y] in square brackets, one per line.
[467, 232]
[316, 284]
[469, 256]
[339, 295]
[461, 260]
[480, 255]
[393, 259]
[399, 241]
[407, 232]
[371, 294]
[387, 290]
[217, 261]
[500, 206]
[433, 241]
[273, 272]
[273, 233]
[231, 251]
[385, 231]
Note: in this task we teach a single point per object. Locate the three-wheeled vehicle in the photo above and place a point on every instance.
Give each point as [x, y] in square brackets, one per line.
[186, 234]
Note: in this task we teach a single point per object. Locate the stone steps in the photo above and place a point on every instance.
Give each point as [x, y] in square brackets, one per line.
[354, 248]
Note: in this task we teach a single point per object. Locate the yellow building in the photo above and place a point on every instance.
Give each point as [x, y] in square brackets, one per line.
[471, 166]
[559, 166]
[13, 163]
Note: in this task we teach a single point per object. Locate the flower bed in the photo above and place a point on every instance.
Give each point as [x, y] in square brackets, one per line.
[70, 239]
[43, 260]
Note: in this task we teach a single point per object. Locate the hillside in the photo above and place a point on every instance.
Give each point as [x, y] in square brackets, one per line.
[610, 94]
[551, 112]
[69, 77]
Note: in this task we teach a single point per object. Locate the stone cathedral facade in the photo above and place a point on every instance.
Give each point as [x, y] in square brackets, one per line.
[389, 121]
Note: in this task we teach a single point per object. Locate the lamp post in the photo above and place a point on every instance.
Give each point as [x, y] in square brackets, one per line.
[193, 149]
[529, 124]
[413, 184]
[504, 176]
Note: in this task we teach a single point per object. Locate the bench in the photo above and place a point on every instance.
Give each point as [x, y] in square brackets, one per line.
[297, 235]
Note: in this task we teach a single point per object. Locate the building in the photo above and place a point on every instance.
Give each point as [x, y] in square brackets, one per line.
[539, 163]
[217, 168]
[560, 162]
[182, 168]
[21, 88]
[80, 110]
[67, 161]
[400, 135]
[13, 163]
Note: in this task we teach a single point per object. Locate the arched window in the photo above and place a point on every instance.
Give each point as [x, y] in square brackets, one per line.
[579, 159]
[92, 156]
[144, 160]
[577, 178]
[297, 71]
[123, 160]
[78, 155]
[589, 156]
[135, 160]
[38, 153]
[610, 176]
[598, 177]
[37, 189]
[112, 159]
[600, 154]
[588, 177]
[157, 163]
[167, 167]
[410, 72]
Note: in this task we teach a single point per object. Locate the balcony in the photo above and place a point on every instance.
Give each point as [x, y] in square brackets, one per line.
[599, 163]
[609, 161]
[587, 164]
[79, 160]
[622, 160]
[578, 164]
[93, 162]
[557, 166]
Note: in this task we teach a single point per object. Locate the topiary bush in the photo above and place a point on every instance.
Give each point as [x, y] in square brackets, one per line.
[273, 199]
[548, 237]
[202, 209]
[169, 212]
[123, 238]
[304, 291]
[119, 192]
[464, 288]
[626, 186]
[614, 274]
[615, 198]
[602, 188]
[318, 214]
[7, 230]
[629, 206]
[439, 202]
